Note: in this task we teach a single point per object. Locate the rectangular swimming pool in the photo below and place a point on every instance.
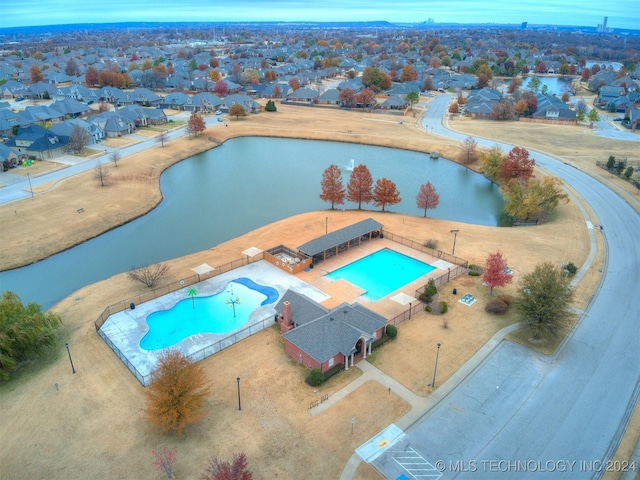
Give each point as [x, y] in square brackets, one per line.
[382, 272]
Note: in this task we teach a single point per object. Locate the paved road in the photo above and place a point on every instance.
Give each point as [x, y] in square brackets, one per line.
[17, 187]
[544, 412]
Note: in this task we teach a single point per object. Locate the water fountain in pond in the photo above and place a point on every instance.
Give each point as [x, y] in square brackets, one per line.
[351, 165]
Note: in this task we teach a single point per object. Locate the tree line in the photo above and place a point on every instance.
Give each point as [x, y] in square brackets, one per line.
[361, 189]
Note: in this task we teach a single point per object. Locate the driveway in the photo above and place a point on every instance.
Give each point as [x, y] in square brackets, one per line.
[521, 414]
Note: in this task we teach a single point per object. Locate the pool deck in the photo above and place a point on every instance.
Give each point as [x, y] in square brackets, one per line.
[125, 329]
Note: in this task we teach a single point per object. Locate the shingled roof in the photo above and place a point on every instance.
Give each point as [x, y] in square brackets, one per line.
[335, 332]
[339, 237]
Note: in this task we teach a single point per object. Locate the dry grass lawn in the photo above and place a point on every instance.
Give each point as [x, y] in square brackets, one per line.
[92, 425]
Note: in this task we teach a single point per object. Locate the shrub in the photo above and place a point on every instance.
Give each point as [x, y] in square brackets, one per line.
[444, 307]
[315, 377]
[427, 308]
[431, 243]
[571, 268]
[392, 331]
[496, 306]
[429, 291]
[473, 273]
[508, 299]
[611, 162]
[149, 274]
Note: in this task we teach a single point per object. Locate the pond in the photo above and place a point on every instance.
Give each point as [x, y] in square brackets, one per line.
[244, 184]
[555, 85]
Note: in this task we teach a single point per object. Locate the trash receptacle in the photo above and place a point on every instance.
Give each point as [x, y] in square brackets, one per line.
[132, 306]
[455, 291]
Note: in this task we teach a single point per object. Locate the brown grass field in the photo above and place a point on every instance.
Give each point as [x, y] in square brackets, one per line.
[93, 425]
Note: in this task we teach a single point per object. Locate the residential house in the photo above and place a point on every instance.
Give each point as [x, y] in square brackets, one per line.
[113, 124]
[71, 107]
[9, 158]
[330, 97]
[302, 95]
[142, 116]
[9, 121]
[394, 102]
[64, 129]
[38, 142]
[249, 104]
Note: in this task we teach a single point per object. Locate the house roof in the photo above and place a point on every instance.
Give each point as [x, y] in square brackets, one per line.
[339, 237]
[303, 309]
[337, 331]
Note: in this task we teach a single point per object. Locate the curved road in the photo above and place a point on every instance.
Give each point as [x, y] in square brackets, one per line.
[521, 414]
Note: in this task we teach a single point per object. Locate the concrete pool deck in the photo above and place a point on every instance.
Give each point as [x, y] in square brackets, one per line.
[124, 330]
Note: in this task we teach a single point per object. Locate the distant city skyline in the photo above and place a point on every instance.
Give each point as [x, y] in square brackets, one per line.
[620, 13]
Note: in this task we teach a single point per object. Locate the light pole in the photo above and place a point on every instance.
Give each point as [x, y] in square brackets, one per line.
[455, 235]
[435, 369]
[239, 405]
[30, 187]
[326, 225]
[70, 361]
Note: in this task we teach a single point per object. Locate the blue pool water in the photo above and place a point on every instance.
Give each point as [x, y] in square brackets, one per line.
[382, 272]
[212, 314]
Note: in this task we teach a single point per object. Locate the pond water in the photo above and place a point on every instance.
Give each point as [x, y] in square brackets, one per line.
[555, 85]
[242, 185]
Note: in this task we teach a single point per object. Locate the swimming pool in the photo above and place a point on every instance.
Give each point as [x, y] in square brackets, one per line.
[382, 272]
[223, 312]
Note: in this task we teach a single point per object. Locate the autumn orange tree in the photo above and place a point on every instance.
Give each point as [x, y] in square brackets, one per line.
[218, 469]
[195, 125]
[176, 394]
[517, 166]
[237, 110]
[385, 193]
[332, 187]
[359, 186]
[427, 197]
[35, 74]
[495, 272]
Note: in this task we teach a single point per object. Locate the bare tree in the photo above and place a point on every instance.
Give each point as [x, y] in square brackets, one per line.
[162, 137]
[78, 138]
[469, 150]
[115, 157]
[149, 274]
[100, 172]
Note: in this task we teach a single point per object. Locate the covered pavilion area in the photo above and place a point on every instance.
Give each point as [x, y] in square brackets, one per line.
[341, 240]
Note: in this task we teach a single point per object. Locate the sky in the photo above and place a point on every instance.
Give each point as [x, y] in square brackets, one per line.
[621, 13]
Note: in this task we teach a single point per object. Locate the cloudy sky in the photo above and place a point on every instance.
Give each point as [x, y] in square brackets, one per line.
[621, 13]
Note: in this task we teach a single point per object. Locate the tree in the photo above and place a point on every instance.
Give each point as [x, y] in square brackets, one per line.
[376, 79]
[514, 84]
[495, 272]
[270, 106]
[71, 68]
[534, 84]
[115, 157]
[91, 76]
[78, 138]
[469, 150]
[222, 470]
[100, 172]
[294, 83]
[427, 85]
[427, 197]
[162, 137]
[517, 165]
[491, 162]
[192, 292]
[534, 199]
[347, 97]
[543, 300]
[502, 110]
[221, 88]
[35, 74]
[454, 107]
[366, 98]
[385, 193]
[165, 460]
[237, 111]
[25, 332]
[149, 274]
[408, 74]
[412, 98]
[195, 125]
[580, 116]
[332, 187]
[593, 115]
[359, 186]
[176, 394]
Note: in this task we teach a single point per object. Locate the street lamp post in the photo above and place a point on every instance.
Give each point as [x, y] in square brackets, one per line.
[435, 368]
[239, 405]
[30, 187]
[70, 361]
[455, 235]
